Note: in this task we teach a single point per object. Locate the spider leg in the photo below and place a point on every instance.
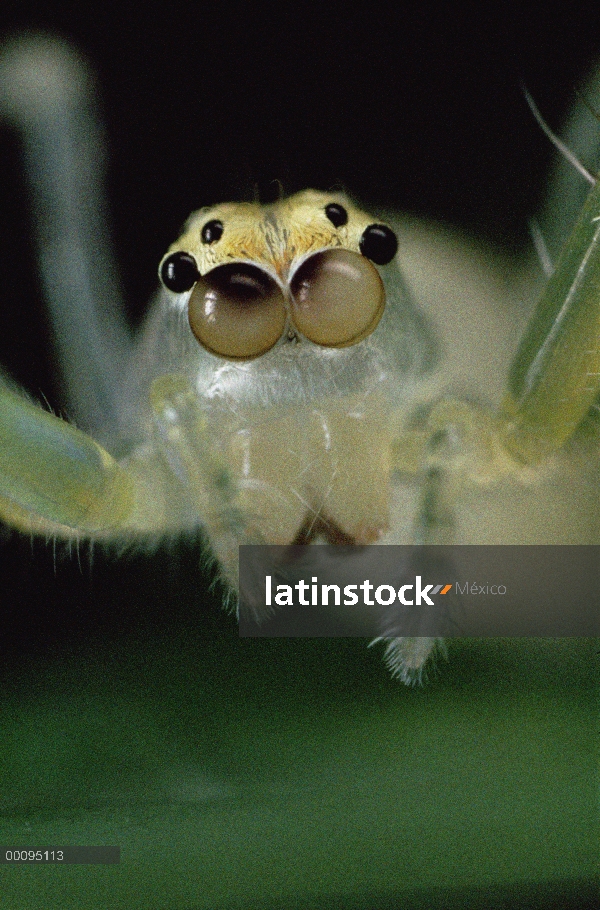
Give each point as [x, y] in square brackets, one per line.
[458, 444]
[555, 377]
[184, 436]
[407, 657]
[438, 452]
[567, 191]
[56, 480]
[47, 93]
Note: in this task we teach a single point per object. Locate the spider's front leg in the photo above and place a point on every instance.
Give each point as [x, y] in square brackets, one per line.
[57, 480]
[555, 378]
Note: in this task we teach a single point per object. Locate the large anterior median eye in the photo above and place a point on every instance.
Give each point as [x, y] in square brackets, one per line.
[337, 298]
[237, 311]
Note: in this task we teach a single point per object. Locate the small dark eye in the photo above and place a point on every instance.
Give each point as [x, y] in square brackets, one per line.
[379, 244]
[337, 214]
[179, 272]
[212, 231]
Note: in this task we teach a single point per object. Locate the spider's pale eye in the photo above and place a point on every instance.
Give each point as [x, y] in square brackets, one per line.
[237, 311]
[337, 298]
[212, 231]
[379, 244]
[337, 214]
[179, 272]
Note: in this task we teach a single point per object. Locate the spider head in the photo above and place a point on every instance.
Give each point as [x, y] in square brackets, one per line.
[299, 269]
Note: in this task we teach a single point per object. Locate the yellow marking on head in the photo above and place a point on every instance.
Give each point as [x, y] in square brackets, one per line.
[275, 237]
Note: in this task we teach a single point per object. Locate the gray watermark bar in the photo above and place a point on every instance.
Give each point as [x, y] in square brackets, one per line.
[432, 591]
[66, 856]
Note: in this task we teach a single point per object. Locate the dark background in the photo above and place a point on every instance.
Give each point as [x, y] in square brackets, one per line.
[409, 106]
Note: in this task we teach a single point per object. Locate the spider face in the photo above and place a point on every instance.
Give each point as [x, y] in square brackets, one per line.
[301, 269]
